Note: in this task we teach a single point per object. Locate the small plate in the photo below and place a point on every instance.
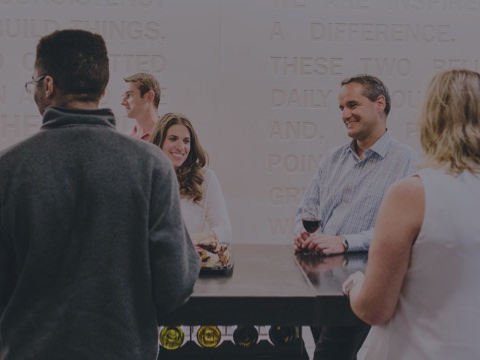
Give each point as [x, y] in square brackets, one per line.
[218, 268]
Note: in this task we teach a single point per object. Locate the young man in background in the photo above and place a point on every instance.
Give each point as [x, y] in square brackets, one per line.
[141, 100]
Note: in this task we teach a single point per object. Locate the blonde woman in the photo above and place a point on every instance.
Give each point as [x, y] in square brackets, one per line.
[421, 288]
[201, 198]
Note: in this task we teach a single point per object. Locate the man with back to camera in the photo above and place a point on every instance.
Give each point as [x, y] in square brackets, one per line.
[347, 191]
[93, 249]
[141, 100]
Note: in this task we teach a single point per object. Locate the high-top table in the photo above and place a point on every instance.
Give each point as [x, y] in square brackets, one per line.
[271, 285]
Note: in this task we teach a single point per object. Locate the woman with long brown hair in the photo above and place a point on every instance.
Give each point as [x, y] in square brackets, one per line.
[203, 205]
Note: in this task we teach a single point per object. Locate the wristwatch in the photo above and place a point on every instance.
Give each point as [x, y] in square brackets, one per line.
[345, 244]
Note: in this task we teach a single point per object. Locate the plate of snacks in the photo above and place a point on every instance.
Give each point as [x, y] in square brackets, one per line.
[216, 256]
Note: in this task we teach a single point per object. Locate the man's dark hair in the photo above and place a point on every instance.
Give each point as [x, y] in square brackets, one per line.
[77, 60]
[373, 87]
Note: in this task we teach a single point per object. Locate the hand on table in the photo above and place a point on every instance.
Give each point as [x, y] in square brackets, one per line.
[299, 240]
[352, 281]
[324, 244]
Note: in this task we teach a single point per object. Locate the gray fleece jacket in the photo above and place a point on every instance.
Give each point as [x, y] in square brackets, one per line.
[93, 249]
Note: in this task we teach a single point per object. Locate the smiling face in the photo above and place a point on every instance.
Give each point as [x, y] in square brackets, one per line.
[363, 118]
[177, 144]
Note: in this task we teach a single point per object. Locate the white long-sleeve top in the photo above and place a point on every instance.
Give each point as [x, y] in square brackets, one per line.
[211, 213]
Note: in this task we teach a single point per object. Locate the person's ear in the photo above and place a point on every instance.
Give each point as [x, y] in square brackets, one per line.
[381, 103]
[49, 86]
[150, 95]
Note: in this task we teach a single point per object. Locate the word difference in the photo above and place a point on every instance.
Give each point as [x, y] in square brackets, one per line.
[388, 33]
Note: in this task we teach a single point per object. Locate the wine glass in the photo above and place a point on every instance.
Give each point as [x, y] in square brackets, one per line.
[310, 219]
[311, 223]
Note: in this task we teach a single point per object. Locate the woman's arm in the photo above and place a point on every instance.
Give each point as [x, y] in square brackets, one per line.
[204, 235]
[374, 298]
[216, 209]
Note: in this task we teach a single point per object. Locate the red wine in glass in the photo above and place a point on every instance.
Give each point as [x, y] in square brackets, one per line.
[311, 225]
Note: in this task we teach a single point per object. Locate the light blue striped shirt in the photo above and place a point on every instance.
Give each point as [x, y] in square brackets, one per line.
[347, 190]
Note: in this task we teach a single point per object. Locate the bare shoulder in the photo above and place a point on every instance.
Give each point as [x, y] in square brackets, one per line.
[409, 188]
[406, 200]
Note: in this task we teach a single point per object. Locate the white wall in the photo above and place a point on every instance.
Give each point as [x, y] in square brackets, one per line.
[258, 78]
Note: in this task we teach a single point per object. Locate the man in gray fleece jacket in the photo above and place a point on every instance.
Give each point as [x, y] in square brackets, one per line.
[93, 249]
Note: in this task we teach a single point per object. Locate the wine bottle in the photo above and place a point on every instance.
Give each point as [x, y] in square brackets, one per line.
[171, 337]
[245, 336]
[280, 335]
[209, 336]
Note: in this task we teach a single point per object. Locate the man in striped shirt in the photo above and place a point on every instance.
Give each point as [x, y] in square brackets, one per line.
[347, 190]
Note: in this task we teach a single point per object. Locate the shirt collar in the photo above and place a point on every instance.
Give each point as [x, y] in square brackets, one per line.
[380, 147]
[57, 116]
[145, 136]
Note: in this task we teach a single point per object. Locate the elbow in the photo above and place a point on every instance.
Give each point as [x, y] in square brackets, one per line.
[372, 316]
[376, 320]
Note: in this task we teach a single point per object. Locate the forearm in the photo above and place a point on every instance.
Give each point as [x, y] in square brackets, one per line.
[352, 287]
[204, 235]
[216, 212]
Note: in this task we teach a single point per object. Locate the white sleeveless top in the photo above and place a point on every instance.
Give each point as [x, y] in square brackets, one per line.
[438, 315]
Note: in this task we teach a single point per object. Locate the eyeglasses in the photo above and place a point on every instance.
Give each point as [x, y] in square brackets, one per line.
[30, 84]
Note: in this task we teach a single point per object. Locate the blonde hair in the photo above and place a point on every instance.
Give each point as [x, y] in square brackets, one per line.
[449, 121]
[189, 175]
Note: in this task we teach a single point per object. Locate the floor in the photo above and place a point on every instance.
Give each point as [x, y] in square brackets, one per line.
[310, 345]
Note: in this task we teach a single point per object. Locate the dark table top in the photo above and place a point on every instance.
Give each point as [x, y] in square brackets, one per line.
[270, 284]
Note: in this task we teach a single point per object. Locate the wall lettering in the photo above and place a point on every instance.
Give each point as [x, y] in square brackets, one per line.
[307, 65]
[444, 64]
[295, 130]
[137, 62]
[121, 29]
[300, 98]
[28, 59]
[113, 3]
[288, 195]
[432, 5]
[406, 98]
[279, 226]
[293, 163]
[369, 32]
[26, 28]
[385, 66]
